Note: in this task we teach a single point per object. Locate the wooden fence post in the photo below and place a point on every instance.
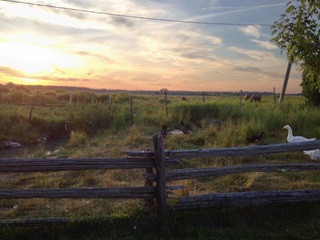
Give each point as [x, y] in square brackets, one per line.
[240, 99]
[161, 190]
[131, 110]
[274, 96]
[285, 82]
[31, 109]
[203, 97]
[70, 99]
[166, 102]
[148, 202]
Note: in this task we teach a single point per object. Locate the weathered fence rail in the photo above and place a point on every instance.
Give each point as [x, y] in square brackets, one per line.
[234, 151]
[129, 192]
[223, 171]
[65, 164]
[251, 198]
[158, 160]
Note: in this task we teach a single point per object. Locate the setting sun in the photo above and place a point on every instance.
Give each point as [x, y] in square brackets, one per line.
[30, 58]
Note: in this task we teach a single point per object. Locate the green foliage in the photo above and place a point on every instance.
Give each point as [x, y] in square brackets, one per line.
[84, 97]
[93, 118]
[19, 97]
[103, 98]
[311, 87]
[121, 98]
[63, 96]
[46, 99]
[194, 112]
[297, 31]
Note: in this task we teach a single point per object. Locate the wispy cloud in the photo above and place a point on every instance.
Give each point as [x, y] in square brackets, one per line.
[264, 44]
[255, 54]
[253, 31]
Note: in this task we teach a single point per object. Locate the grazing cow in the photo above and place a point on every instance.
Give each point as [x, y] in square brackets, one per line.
[163, 131]
[247, 96]
[183, 98]
[256, 98]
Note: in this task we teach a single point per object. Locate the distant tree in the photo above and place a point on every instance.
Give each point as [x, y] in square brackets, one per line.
[298, 33]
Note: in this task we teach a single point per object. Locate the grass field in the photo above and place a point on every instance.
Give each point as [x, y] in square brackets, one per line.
[99, 128]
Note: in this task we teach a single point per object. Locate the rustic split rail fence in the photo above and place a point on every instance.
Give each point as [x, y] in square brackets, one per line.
[156, 162]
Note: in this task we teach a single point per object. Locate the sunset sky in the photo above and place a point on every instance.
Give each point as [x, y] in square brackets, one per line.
[92, 46]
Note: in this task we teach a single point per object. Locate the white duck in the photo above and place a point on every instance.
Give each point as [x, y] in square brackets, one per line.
[292, 138]
[314, 154]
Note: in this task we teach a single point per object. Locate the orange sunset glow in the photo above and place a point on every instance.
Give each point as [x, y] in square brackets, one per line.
[124, 45]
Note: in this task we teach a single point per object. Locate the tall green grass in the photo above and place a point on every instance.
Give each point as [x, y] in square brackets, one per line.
[93, 114]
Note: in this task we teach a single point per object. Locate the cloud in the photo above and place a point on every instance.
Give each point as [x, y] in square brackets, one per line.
[121, 21]
[11, 72]
[198, 55]
[264, 44]
[4, 70]
[58, 11]
[94, 55]
[251, 30]
[255, 54]
[247, 69]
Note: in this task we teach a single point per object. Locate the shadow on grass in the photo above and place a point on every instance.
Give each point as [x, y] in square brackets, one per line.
[294, 221]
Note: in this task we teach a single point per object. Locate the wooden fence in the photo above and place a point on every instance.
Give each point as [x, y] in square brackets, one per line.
[157, 175]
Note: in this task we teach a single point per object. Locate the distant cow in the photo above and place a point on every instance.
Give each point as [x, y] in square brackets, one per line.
[247, 96]
[183, 98]
[256, 98]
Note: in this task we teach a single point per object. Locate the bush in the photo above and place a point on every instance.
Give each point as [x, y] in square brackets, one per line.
[194, 112]
[97, 117]
[77, 139]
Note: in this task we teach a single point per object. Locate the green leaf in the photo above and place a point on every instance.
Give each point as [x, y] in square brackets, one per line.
[290, 9]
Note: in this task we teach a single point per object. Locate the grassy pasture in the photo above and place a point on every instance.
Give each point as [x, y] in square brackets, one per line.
[101, 129]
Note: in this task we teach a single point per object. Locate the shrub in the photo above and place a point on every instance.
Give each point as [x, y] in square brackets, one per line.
[96, 117]
[77, 139]
[194, 112]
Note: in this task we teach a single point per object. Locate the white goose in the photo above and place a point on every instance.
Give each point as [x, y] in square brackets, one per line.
[292, 138]
[313, 154]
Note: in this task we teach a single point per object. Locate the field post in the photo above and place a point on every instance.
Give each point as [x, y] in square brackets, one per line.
[285, 82]
[31, 109]
[131, 110]
[240, 99]
[166, 102]
[203, 97]
[70, 99]
[274, 96]
[161, 190]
